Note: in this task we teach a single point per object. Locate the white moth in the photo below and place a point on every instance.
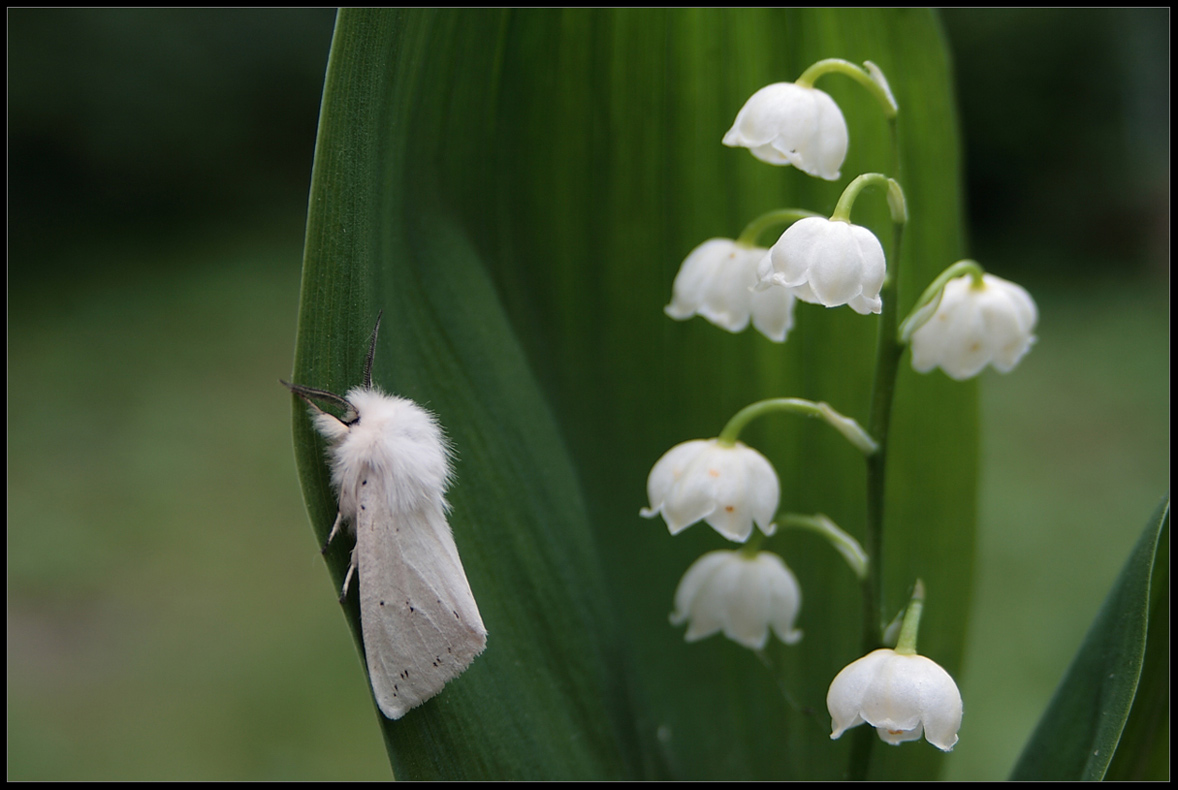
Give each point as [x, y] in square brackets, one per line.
[390, 465]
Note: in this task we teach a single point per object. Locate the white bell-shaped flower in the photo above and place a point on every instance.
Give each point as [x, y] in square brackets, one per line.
[991, 322]
[828, 262]
[903, 696]
[743, 596]
[788, 124]
[716, 281]
[729, 486]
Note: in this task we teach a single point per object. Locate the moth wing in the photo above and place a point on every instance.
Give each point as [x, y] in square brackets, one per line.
[421, 624]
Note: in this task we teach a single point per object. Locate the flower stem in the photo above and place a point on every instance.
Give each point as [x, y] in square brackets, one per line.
[896, 203]
[752, 547]
[781, 217]
[843, 543]
[870, 78]
[928, 302]
[887, 364]
[906, 644]
[844, 425]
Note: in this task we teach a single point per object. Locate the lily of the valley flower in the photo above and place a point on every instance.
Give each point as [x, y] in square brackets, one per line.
[789, 124]
[991, 321]
[828, 262]
[728, 485]
[716, 281]
[742, 595]
[903, 696]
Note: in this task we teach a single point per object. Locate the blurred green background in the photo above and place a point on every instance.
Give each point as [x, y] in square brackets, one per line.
[168, 614]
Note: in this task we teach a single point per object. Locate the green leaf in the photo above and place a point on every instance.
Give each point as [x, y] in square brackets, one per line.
[541, 700]
[1082, 726]
[516, 189]
[1144, 750]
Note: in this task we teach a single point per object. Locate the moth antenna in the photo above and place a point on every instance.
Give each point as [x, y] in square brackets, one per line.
[371, 353]
[310, 393]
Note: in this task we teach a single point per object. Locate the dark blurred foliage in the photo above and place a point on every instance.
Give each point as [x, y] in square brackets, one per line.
[1066, 114]
[145, 121]
[153, 120]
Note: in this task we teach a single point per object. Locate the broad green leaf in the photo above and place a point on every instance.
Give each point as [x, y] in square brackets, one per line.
[1081, 729]
[1144, 750]
[541, 697]
[516, 189]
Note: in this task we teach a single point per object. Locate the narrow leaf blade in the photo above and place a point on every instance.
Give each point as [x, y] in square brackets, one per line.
[1078, 734]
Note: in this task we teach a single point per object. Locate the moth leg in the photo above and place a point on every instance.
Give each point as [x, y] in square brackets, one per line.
[335, 528]
[348, 578]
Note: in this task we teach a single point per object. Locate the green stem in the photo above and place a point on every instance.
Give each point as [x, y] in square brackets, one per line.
[893, 129]
[752, 547]
[781, 217]
[844, 425]
[906, 644]
[926, 305]
[843, 543]
[896, 203]
[870, 78]
[887, 364]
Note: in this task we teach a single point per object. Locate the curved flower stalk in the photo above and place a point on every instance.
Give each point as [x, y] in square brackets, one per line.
[829, 262]
[846, 426]
[787, 123]
[716, 281]
[902, 696]
[981, 320]
[742, 594]
[821, 525]
[726, 484]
